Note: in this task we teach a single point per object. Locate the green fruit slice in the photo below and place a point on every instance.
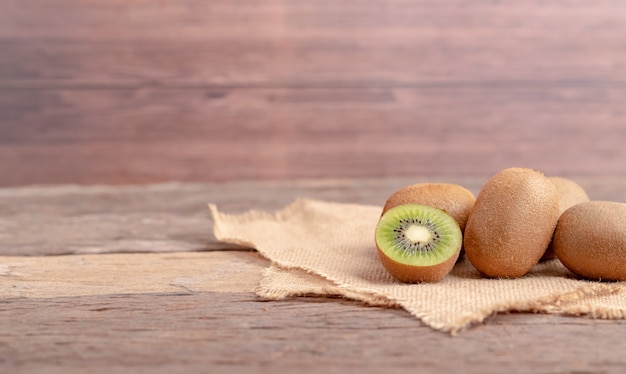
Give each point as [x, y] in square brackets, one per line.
[417, 242]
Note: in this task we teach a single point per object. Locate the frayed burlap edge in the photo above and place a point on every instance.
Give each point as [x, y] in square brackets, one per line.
[567, 304]
[314, 285]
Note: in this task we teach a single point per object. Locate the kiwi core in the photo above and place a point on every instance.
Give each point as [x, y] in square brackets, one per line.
[418, 234]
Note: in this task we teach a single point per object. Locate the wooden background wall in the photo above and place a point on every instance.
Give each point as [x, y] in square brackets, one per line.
[117, 91]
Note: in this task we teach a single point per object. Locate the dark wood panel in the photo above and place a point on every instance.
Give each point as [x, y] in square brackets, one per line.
[148, 135]
[134, 92]
[312, 43]
[200, 332]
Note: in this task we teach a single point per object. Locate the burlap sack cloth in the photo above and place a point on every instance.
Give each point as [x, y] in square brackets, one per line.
[323, 248]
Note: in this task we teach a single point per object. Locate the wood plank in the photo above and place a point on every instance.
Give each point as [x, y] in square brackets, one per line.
[159, 218]
[174, 217]
[146, 273]
[235, 332]
[153, 135]
[311, 43]
[194, 311]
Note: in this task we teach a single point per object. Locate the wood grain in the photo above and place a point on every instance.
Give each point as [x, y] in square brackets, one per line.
[316, 43]
[142, 136]
[117, 92]
[194, 312]
[36, 277]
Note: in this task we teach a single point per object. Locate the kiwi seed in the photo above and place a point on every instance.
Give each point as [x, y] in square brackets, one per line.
[512, 223]
[590, 240]
[456, 200]
[570, 194]
[418, 243]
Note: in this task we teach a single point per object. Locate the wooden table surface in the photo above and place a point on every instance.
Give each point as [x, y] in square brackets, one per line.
[189, 307]
[252, 104]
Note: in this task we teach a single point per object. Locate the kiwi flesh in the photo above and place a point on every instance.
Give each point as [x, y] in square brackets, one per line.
[512, 223]
[570, 194]
[418, 243]
[456, 200]
[590, 240]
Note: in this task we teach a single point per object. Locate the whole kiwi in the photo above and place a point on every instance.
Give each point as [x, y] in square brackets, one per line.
[454, 199]
[570, 194]
[512, 223]
[590, 240]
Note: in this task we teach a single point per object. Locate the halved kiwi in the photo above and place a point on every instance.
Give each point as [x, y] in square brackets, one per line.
[418, 243]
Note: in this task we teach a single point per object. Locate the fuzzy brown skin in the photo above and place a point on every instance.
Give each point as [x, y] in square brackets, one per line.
[512, 223]
[418, 274]
[456, 200]
[570, 194]
[590, 240]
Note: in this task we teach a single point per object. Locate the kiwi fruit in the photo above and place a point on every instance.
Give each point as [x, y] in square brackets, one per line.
[418, 243]
[512, 223]
[570, 194]
[590, 240]
[456, 200]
